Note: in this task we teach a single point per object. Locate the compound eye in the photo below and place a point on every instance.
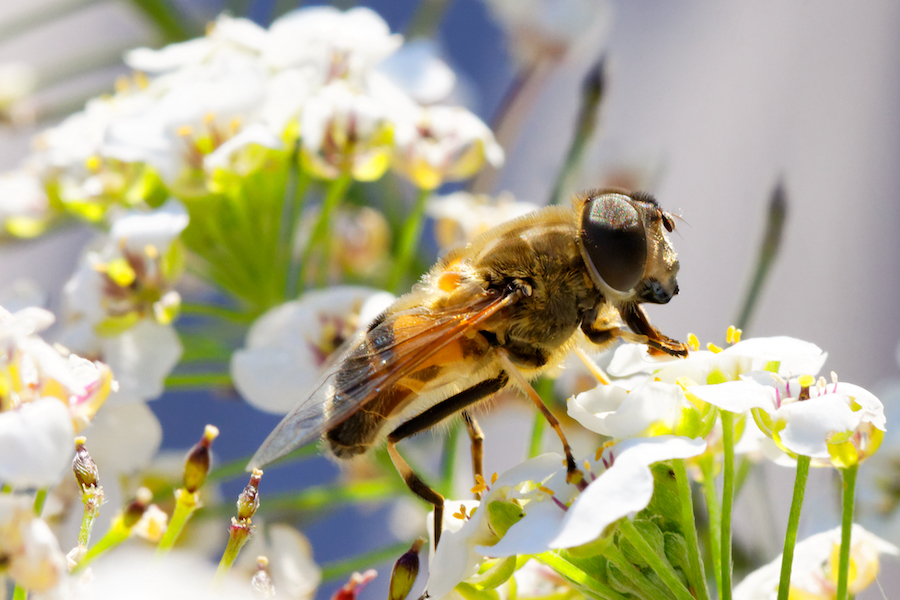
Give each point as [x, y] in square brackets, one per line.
[614, 241]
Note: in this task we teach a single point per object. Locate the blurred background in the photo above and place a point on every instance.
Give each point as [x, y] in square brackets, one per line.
[707, 106]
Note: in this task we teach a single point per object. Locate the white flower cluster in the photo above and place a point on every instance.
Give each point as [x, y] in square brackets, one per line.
[339, 84]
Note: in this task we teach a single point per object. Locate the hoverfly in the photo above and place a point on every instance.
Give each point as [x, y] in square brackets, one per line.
[495, 313]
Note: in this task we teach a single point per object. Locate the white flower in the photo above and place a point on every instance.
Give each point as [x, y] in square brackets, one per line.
[24, 207]
[31, 370]
[344, 131]
[783, 355]
[418, 70]
[194, 112]
[651, 408]
[291, 566]
[17, 80]
[37, 443]
[227, 35]
[837, 423]
[30, 552]
[815, 567]
[287, 346]
[461, 216]
[337, 44]
[442, 143]
[555, 514]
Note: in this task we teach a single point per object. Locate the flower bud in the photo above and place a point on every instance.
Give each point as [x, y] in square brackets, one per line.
[248, 500]
[83, 465]
[134, 510]
[405, 571]
[351, 589]
[196, 466]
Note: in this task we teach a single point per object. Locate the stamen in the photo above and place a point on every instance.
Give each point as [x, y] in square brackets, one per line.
[693, 342]
[559, 503]
[141, 80]
[805, 382]
[546, 490]
[713, 348]
[834, 380]
[601, 449]
[729, 334]
[493, 478]
[209, 118]
[185, 131]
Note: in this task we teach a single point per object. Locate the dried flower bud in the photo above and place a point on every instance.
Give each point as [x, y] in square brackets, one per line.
[86, 471]
[248, 500]
[134, 510]
[406, 569]
[261, 581]
[196, 466]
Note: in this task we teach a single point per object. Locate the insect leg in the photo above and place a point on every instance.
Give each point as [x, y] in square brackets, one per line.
[573, 475]
[636, 318]
[430, 417]
[477, 437]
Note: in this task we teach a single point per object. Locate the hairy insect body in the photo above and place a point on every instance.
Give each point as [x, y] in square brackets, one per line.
[496, 313]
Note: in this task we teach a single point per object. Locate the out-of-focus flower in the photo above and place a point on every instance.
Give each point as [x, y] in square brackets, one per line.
[29, 551]
[814, 572]
[461, 216]
[17, 81]
[136, 573]
[24, 207]
[531, 508]
[194, 112]
[45, 397]
[121, 300]
[442, 143]
[345, 131]
[228, 35]
[288, 345]
[361, 241]
[552, 29]
[337, 45]
[291, 567]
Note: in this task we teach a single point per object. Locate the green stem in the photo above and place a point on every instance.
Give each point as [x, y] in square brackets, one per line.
[318, 239]
[341, 568]
[768, 251]
[409, 239]
[295, 205]
[189, 381]
[642, 586]
[19, 593]
[92, 498]
[847, 499]
[660, 565]
[544, 388]
[219, 312]
[167, 18]
[117, 534]
[745, 467]
[426, 19]
[239, 534]
[39, 499]
[185, 505]
[448, 467]
[697, 575]
[578, 578]
[585, 125]
[713, 510]
[727, 502]
[790, 538]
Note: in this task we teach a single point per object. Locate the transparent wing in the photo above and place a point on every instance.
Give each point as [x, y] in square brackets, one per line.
[376, 360]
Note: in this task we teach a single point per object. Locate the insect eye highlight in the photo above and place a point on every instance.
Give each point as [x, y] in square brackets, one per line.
[614, 241]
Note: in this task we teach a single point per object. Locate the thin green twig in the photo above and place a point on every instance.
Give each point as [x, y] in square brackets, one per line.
[847, 501]
[768, 251]
[790, 537]
[341, 568]
[689, 530]
[585, 125]
[409, 239]
[727, 502]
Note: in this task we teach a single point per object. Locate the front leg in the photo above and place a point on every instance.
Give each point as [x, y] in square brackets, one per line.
[635, 317]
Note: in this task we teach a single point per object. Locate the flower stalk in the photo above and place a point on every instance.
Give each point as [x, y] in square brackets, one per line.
[409, 239]
[241, 527]
[187, 499]
[689, 530]
[317, 240]
[847, 501]
[656, 559]
[120, 529]
[790, 538]
[727, 502]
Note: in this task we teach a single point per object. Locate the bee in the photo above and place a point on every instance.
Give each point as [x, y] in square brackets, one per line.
[494, 314]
